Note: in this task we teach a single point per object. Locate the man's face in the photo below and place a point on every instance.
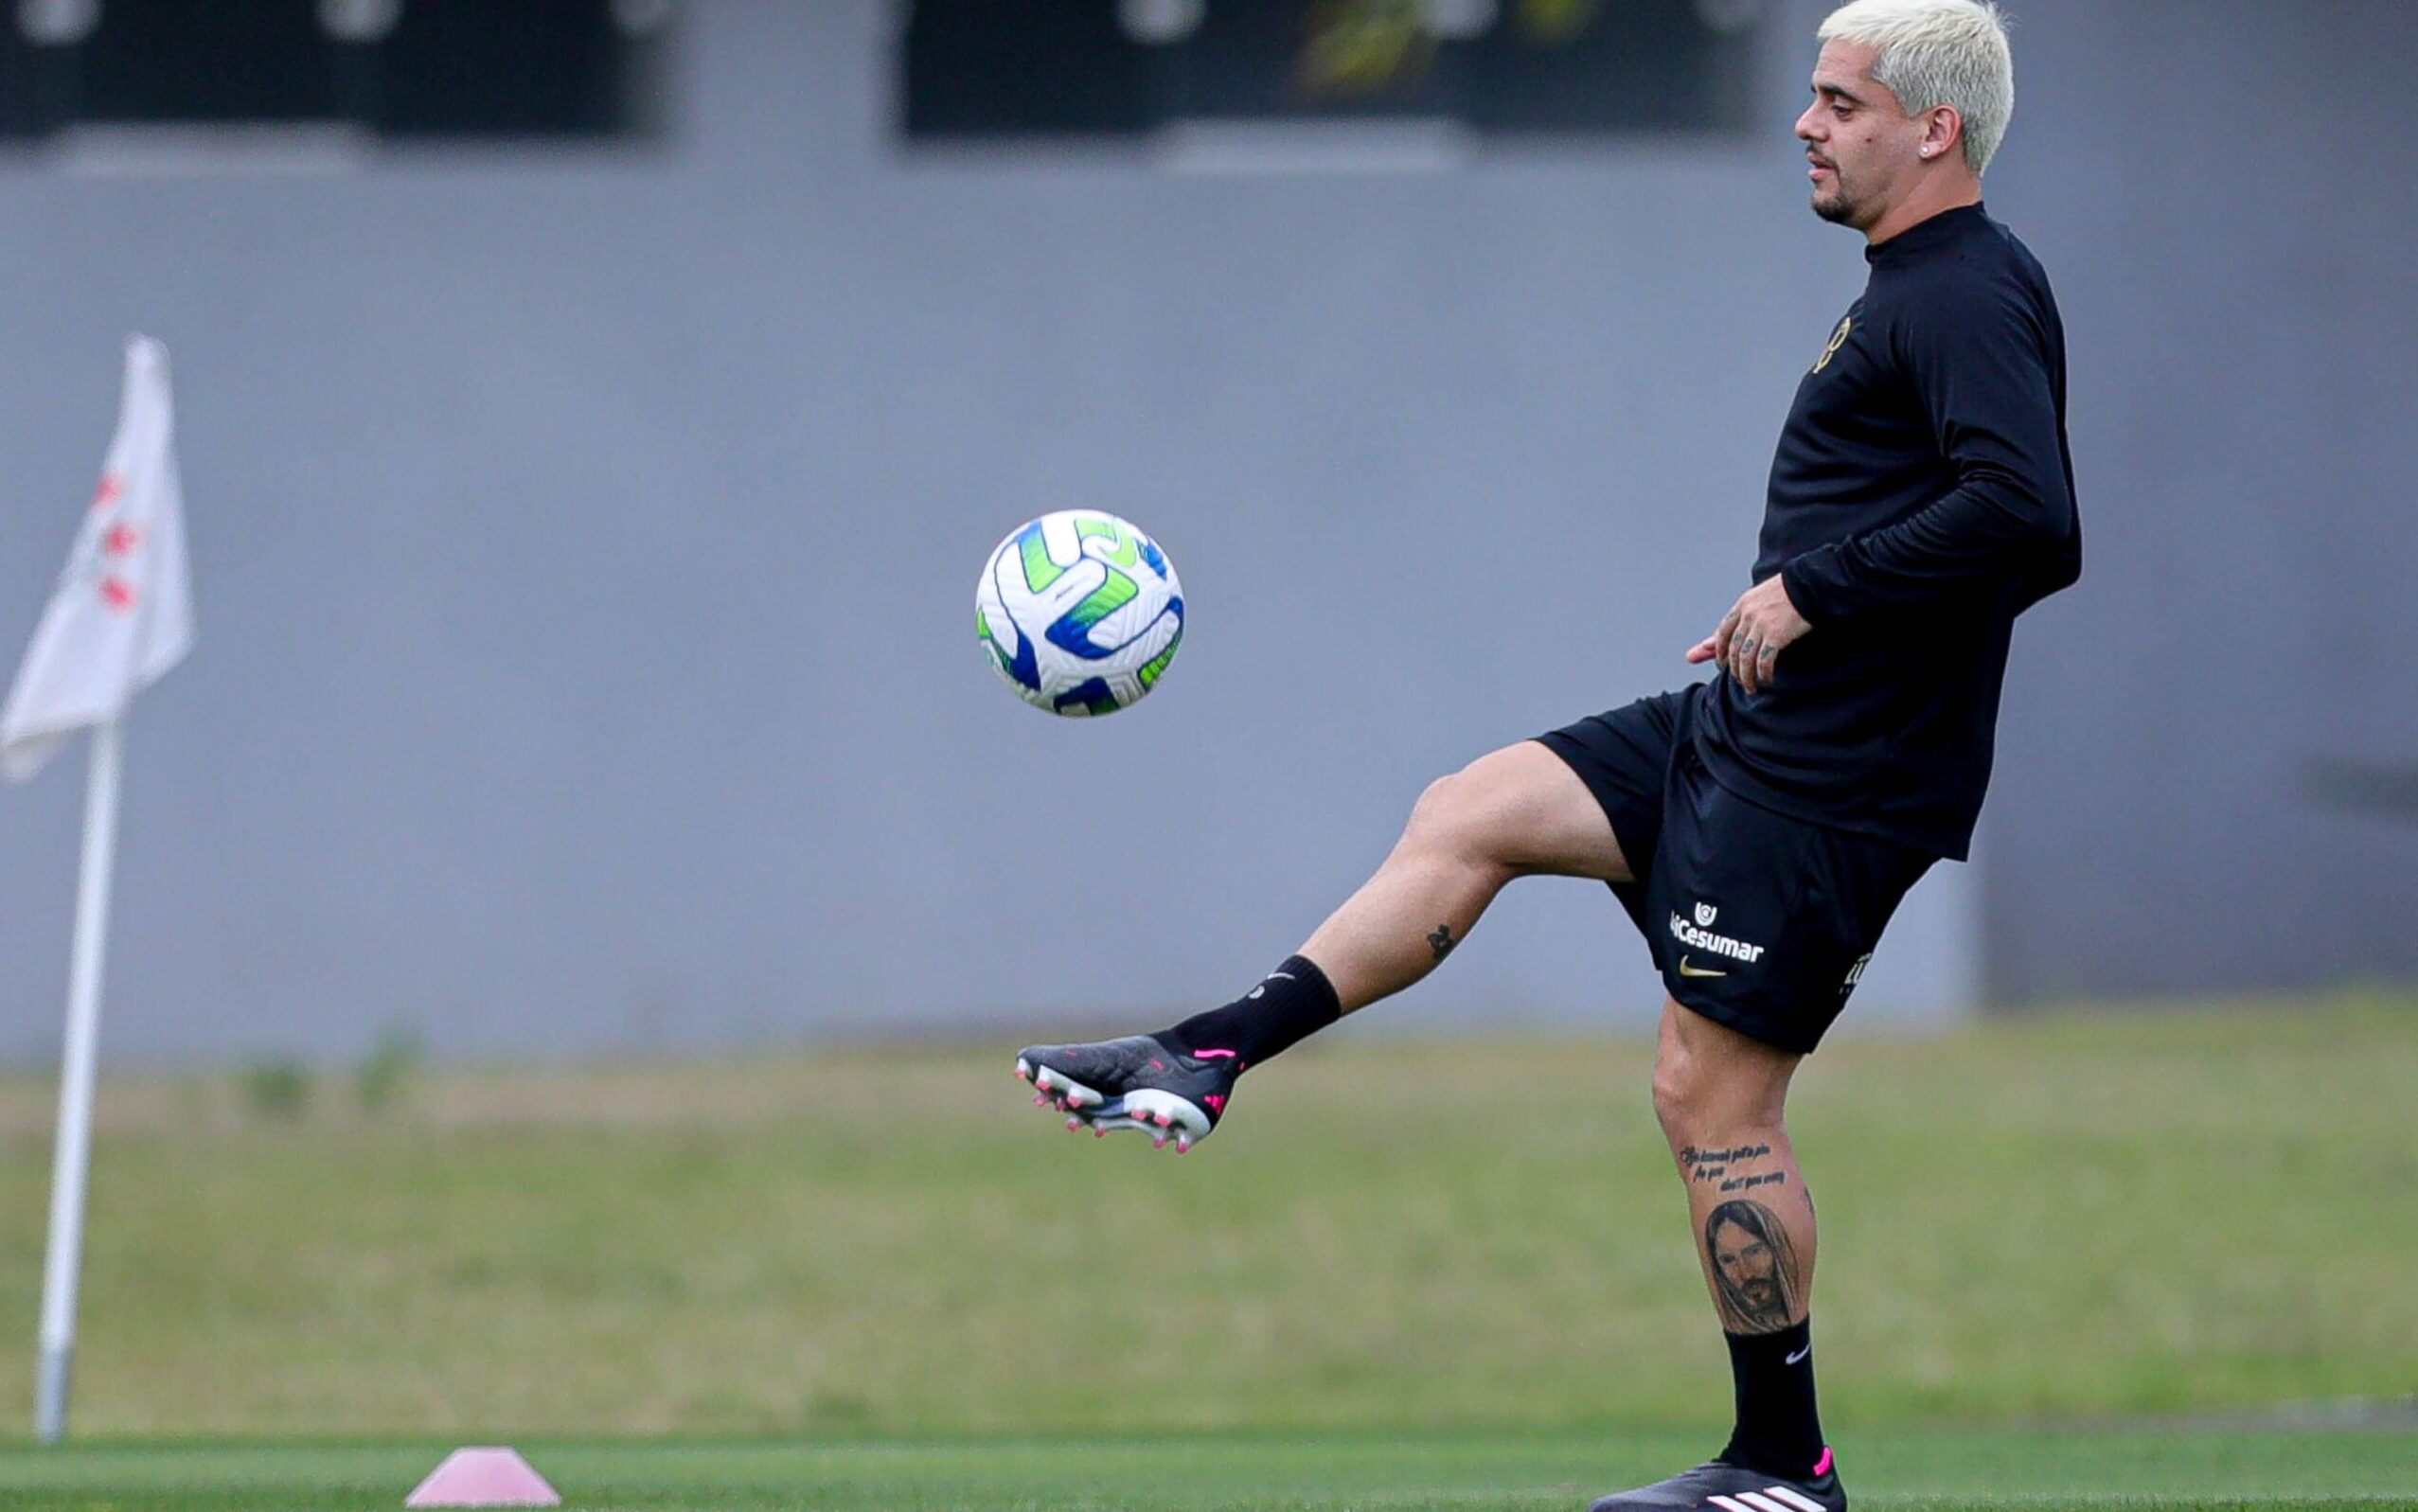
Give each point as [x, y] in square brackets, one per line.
[1749, 1265]
[1861, 149]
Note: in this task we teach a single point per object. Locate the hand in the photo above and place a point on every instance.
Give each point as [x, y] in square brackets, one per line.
[1761, 625]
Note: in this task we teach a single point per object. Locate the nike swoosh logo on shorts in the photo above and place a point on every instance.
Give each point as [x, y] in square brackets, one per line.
[1798, 1355]
[1686, 969]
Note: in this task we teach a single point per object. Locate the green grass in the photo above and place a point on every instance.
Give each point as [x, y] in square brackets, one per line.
[2072, 1220]
[1896, 1473]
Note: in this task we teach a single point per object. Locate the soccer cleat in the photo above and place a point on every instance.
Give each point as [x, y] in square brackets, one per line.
[1136, 1082]
[1718, 1487]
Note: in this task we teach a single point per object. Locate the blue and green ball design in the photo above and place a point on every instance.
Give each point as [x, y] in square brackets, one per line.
[1080, 613]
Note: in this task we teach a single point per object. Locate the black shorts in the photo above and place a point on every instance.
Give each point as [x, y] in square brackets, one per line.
[1756, 920]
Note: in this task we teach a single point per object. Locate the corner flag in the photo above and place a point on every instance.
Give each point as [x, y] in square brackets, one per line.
[121, 615]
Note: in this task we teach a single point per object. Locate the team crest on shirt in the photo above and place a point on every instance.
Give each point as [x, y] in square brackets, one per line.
[1838, 339]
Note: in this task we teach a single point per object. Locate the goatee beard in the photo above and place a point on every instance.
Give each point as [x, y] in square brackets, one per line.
[1836, 210]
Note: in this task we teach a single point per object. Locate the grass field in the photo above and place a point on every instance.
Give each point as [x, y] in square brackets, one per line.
[1898, 1472]
[1415, 1258]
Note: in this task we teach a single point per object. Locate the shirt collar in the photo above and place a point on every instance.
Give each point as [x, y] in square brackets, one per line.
[1927, 234]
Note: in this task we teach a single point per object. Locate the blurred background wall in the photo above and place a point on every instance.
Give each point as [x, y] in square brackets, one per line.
[585, 539]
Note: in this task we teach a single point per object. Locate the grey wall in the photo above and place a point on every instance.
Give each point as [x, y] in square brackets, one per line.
[583, 545]
[2228, 208]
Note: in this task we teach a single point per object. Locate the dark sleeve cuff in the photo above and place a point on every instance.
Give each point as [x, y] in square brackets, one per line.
[1813, 584]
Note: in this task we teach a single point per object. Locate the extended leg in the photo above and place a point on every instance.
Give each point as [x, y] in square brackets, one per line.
[1518, 812]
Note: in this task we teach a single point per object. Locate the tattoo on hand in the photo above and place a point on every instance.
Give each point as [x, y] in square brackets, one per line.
[1755, 1266]
[1442, 941]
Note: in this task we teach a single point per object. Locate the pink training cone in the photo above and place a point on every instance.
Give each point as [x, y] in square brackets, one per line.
[484, 1477]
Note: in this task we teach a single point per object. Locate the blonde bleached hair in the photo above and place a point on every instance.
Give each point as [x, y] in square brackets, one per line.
[1938, 52]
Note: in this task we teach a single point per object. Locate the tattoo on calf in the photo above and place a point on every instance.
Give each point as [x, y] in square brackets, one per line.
[1442, 941]
[1748, 1184]
[1710, 1165]
[1755, 1266]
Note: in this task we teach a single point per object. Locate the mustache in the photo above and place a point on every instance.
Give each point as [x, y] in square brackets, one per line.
[1820, 160]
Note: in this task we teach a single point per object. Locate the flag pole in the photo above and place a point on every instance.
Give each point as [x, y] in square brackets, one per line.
[74, 1149]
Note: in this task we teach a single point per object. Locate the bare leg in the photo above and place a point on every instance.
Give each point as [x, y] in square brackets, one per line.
[1720, 1097]
[1519, 811]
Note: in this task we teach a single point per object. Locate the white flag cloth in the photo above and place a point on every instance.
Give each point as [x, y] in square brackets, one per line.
[123, 610]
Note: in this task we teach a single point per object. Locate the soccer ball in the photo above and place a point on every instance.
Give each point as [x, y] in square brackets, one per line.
[1080, 613]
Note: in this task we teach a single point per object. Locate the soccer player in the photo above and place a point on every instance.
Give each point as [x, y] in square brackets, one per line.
[1760, 827]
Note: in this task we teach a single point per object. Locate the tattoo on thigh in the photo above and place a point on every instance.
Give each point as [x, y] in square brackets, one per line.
[1755, 1266]
[1442, 941]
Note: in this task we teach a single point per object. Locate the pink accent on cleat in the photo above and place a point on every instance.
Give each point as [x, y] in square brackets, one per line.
[1212, 1055]
[1216, 1103]
[1822, 1466]
[1099, 1133]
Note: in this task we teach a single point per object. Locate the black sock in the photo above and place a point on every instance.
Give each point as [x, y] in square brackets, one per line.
[1290, 1005]
[1778, 1432]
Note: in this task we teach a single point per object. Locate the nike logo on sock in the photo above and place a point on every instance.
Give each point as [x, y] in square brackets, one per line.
[1798, 1355]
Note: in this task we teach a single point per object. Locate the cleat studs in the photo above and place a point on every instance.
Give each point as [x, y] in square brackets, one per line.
[1074, 1124]
[1099, 1133]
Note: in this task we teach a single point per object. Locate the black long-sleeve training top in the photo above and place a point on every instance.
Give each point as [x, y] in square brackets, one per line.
[1920, 498]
